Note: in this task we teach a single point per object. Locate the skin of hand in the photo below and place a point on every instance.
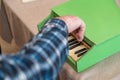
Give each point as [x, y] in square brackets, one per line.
[75, 25]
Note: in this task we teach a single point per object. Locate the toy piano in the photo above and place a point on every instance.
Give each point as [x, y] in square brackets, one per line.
[102, 35]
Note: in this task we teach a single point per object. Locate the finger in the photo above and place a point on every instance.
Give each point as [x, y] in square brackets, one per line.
[80, 34]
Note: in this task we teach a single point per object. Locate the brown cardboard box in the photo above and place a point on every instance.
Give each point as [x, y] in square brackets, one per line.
[21, 20]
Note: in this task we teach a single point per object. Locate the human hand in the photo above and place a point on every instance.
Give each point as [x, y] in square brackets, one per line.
[75, 25]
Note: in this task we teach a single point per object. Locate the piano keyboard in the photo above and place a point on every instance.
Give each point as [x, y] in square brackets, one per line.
[76, 49]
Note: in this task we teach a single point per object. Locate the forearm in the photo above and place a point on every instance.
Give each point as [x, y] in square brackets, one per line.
[52, 45]
[43, 57]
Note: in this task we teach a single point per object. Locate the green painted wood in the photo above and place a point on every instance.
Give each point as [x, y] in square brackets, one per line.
[102, 19]
[98, 53]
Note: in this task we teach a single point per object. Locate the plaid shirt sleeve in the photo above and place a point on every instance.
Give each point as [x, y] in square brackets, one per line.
[41, 58]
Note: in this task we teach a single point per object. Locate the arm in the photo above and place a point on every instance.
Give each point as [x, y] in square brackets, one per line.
[41, 58]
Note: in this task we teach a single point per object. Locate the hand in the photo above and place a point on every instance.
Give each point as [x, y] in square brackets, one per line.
[75, 25]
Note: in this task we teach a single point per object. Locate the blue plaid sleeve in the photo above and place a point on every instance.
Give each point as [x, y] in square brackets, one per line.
[41, 58]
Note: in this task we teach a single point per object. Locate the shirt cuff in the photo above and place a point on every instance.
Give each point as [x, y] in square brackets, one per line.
[55, 22]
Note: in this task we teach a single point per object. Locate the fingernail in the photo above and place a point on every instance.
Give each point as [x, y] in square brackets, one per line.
[78, 38]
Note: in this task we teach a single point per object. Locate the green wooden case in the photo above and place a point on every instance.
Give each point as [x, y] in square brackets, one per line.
[102, 18]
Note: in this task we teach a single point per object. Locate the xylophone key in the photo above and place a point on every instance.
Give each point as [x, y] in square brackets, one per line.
[70, 37]
[74, 45]
[76, 49]
[82, 52]
[73, 42]
[72, 52]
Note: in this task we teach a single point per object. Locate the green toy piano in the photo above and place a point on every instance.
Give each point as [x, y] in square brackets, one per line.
[102, 35]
